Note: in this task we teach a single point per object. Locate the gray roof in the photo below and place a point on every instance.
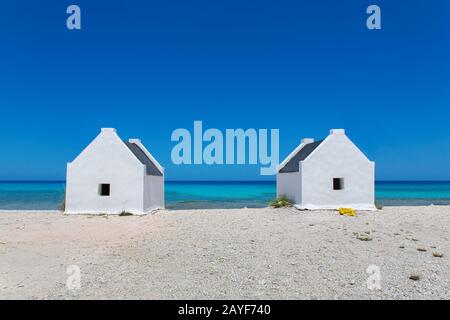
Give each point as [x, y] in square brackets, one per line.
[152, 170]
[293, 164]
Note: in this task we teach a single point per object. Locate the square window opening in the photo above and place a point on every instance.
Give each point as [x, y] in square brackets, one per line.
[104, 189]
[338, 183]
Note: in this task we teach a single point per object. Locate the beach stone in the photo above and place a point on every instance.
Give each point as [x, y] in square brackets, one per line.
[414, 276]
[421, 249]
[437, 254]
[363, 237]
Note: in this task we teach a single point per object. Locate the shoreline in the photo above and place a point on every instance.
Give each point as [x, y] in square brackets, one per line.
[183, 195]
[212, 209]
[227, 254]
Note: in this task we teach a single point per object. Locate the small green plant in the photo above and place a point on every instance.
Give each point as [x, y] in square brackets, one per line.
[280, 202]
[62, 206]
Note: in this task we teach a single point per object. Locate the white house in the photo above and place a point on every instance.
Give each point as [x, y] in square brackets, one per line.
[112, 176]
[328, 174]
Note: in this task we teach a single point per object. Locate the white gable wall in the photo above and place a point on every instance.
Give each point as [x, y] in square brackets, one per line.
[106, 160]
[337, 157]
[153, 185]
[154, 193]
[289, 185]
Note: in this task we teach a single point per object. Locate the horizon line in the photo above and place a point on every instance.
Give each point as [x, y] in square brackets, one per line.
[223, 181]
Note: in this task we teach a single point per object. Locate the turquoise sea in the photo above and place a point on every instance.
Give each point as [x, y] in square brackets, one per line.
[199, 195]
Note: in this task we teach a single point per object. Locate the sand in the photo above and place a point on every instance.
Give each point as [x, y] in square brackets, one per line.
[227, 254]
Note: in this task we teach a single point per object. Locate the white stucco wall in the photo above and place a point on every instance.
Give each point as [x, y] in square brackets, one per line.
[289, 185]
[106, 160]
[153, 193]
[337, 157]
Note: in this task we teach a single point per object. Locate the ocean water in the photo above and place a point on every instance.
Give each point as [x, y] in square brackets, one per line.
[204, 195]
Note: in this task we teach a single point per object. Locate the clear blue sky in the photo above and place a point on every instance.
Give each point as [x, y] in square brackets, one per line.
[149, 67]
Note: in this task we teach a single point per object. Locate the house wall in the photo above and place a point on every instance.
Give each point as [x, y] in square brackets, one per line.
[153, 193]
[337, 157]
[289, 185]
[106, 160]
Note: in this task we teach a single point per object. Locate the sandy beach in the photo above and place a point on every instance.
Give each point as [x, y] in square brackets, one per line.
[227, 254]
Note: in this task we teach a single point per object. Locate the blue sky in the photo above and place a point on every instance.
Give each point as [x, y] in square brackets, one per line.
[149, 67]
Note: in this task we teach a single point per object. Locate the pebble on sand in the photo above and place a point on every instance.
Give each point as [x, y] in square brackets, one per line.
[363, 237]
[437, 254]
[414, 277]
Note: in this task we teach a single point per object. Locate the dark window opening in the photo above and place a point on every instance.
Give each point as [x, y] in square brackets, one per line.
[338, 183]
[104, 189]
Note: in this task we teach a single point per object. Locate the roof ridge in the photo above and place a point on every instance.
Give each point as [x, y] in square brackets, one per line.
[292, 165]
[151, 167]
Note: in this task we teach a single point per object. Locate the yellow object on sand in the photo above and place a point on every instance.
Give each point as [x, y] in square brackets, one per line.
[347, 211]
